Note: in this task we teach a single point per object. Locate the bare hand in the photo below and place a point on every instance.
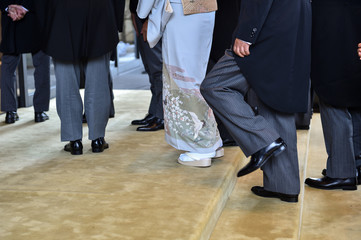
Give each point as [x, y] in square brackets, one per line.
[16, 12]
[241, 48]
[359, 50]
[145, 30]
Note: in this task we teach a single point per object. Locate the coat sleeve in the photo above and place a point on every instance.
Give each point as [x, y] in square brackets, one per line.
[119, 6]
[4, 4]
[28, 4]
[251, 19]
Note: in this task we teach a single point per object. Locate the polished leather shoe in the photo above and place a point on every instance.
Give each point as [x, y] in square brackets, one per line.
[328, 183]
[99, 144]
[302, 127]
[145, 121]
[11, 117]
[358, 174]
[229, 142]
[41, 117]
[74, 147]
[259, 158]
[260, 191]
[155, 125]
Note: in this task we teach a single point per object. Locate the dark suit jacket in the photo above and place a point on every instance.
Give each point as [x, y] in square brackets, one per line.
[82, 29]
[336, 67]
[20, 36]
[278, 68]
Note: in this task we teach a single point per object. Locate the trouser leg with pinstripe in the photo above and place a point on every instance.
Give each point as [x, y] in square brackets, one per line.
[338, 134]
[225, 89]
[97, 100]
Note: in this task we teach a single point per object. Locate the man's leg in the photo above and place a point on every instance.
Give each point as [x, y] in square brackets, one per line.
[68, 100]
[41, 99]
[356, 123]
[97, 100]
[280, 173]
[338, 135]
[224, 89]
[8, 80]
[153, 63]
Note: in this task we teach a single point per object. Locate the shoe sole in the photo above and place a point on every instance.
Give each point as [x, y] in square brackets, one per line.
[277, 195]
[11, 121]
[149, 130]
[99, 150]
[219, 153]
[345, 188]
[42, 120]
[77, 152]
[207, 162]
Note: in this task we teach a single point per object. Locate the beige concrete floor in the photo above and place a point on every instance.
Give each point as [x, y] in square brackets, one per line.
[136, 189]
[319, 214]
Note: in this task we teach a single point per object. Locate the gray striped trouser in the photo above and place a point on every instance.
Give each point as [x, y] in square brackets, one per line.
[225, 89]
[97, 100]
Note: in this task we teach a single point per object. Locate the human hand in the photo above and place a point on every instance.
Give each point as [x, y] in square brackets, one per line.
[145, 30]
[16, 12]
[241, 48]
[359, 50]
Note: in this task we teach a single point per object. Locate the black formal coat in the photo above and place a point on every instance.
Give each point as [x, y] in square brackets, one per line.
[21, 36]
[336, 67]
[278, 68]
[82, 29]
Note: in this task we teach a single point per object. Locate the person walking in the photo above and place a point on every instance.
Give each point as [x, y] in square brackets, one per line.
[337, 84]
[256, 88]
[153, 64]
[82, 33]
[21, 33]
[186, 42]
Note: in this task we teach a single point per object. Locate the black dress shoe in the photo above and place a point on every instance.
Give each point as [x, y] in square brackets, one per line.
[229, 142]
[11, 117]
[99, 144]
[259, 158]
[40, 117]
[302, 127]
[74, 147]
[358, 174]
[155, 125]
[328, 183]
[260, 191]
[149, 118]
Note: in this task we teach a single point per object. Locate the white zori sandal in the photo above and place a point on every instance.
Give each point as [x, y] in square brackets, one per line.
[199, 159]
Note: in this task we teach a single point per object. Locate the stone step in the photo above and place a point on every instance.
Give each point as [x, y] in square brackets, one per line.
[247, 216]
[318, 215]
[335, 214]
[134, 190]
